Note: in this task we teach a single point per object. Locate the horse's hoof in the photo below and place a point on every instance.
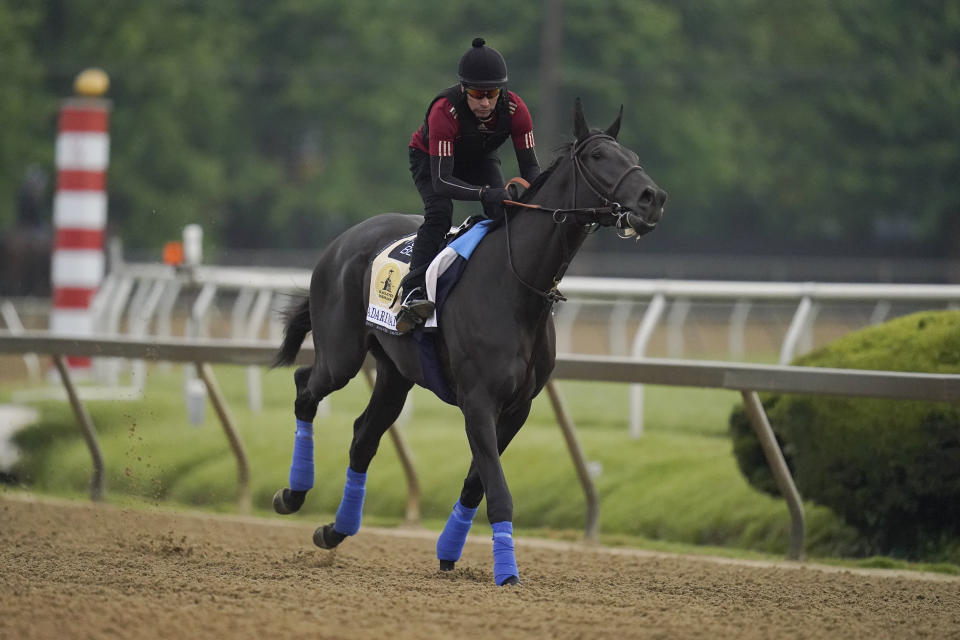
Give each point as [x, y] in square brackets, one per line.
[326, 537]
[447, 565]
[510, 580]
[286, 501]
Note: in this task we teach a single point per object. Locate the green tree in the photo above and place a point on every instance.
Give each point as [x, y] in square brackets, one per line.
[280, 123]
[898, 123]
[27, 113]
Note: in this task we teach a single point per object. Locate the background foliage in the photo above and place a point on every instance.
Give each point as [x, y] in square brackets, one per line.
[889, 468]
[828, 123]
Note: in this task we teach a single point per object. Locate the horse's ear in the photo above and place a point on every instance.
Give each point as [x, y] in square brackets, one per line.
[614, 129]
[580, 128]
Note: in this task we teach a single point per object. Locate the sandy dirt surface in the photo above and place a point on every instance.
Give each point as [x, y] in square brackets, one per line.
[76, 570]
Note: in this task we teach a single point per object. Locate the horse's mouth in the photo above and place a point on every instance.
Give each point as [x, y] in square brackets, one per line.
[649, 209]
[642, 225]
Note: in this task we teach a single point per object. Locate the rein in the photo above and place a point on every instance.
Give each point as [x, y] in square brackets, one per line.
[607, 216]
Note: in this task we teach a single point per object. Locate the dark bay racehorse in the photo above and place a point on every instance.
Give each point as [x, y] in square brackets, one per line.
[497, 340]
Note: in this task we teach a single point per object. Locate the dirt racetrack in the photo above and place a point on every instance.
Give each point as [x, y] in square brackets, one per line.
[75, 570]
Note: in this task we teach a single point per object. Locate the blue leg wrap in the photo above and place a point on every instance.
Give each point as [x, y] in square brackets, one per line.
[351, 505]
[454, 535]
[504, 562]
[301, 470]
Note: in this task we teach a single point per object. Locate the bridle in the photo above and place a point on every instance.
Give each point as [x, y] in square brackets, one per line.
[611, 214]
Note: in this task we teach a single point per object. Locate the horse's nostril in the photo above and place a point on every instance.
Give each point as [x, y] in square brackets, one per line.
[647, 197]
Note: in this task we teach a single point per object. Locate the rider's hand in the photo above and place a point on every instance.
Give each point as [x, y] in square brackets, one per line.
[494, 195]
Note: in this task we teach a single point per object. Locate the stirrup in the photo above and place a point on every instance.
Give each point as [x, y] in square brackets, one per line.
[407, 321]
[417, 304]
[414, 311]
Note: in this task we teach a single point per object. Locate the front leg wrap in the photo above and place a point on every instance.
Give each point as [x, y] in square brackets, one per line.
[504, 560]
[351, 505]
[454, 535]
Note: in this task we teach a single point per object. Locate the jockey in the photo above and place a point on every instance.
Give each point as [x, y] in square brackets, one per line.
[453, 156]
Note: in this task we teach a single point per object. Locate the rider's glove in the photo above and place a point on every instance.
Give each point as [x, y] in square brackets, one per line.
[492, 199]
[494, 195]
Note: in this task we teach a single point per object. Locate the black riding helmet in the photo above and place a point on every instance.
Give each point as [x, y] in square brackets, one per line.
[482, 66]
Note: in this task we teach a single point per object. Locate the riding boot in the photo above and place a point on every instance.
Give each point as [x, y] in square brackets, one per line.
[414, 310]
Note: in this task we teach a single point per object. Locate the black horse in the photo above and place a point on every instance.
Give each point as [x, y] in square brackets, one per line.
[496, 341]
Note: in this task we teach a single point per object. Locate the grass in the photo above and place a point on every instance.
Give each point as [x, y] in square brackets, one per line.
[677, 488]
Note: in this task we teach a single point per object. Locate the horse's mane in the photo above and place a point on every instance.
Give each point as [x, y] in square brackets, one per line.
[562, 151]
[534, 187]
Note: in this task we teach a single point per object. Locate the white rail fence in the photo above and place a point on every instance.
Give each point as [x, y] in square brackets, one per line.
[140, 300]
[747, 379]
[625, 295]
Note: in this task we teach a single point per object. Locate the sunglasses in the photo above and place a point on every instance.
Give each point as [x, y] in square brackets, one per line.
[480, 94]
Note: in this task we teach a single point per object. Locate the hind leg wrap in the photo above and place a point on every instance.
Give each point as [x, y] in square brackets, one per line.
[454, 535]
[301, 469]
[504, 560]
[351, 505]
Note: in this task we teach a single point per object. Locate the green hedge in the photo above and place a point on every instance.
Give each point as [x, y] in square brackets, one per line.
[889, 468]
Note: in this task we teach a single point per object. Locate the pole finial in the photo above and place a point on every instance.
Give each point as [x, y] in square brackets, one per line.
[92, 82]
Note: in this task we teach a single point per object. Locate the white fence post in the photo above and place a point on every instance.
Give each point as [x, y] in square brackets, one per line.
[10, 316]
[254, 323]
[675, 322]
[644, 333]
[737, 331]
[797, 328]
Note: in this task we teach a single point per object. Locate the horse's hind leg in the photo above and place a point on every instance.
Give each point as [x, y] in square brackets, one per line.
[386, 402]
[289, 500]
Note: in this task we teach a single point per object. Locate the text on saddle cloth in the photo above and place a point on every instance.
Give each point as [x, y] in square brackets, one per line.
[392, 263]
[389, 267]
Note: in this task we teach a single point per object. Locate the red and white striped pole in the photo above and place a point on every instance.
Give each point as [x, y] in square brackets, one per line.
[80, 208]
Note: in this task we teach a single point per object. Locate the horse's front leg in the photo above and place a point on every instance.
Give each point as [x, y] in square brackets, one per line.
[454, 535]
[482, 434]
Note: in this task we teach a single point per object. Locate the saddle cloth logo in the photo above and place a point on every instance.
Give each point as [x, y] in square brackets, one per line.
[384, 282]
[389, 267]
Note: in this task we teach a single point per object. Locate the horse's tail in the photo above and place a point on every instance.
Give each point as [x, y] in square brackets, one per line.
[296, 319]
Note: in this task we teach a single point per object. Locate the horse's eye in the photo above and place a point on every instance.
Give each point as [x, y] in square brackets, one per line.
[595, 154]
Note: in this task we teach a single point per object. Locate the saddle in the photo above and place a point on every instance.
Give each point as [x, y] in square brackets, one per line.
[389, 269]
[391, 266]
